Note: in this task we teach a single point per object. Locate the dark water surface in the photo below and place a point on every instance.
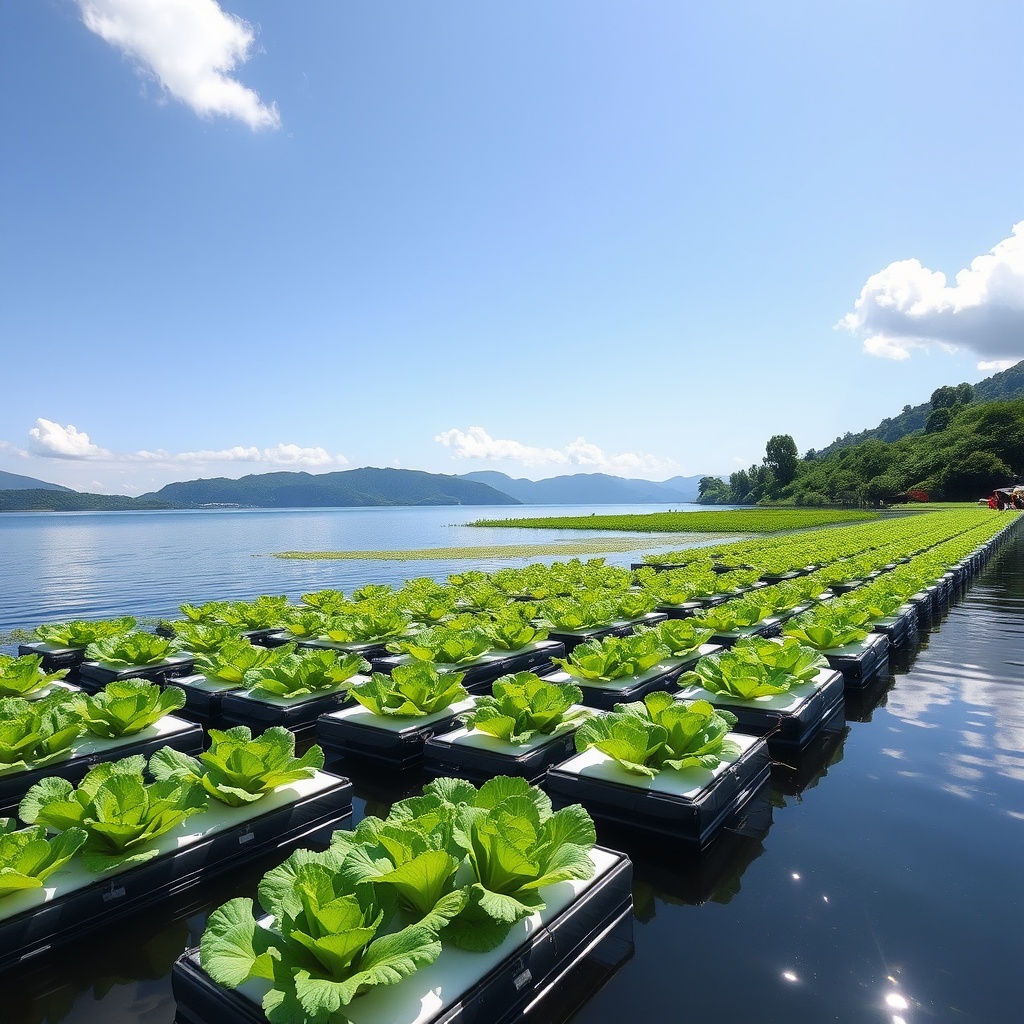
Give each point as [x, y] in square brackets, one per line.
[887, 887]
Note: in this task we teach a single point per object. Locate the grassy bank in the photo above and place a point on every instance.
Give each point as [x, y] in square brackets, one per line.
[755, 520]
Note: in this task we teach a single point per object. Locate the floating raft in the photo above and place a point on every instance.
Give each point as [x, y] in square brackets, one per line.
[396, 742]
[478, 675]
[478, 756]
[75, 901]
[687, 806]
[605, 695]
[242, 707]
[572, 637]
[789, 719]
[94, 675]
[584, 920]
[88, 751]
[860, 662]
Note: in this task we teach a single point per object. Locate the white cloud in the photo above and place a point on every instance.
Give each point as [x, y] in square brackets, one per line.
[279, 455]
[190, 46]
[476, 443]
[52, 440]
[907, 307]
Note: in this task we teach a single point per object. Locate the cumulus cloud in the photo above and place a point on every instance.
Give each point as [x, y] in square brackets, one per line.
[52, 440]
[907, 307]
[190, 47]
[476, 443]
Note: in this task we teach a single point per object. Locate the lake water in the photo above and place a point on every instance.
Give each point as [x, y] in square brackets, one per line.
[884, 887]
[98, 564]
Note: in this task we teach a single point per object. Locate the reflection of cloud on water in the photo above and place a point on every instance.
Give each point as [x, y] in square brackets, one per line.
[991, 718]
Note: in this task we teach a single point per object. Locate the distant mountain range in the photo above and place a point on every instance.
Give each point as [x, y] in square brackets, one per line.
[590, 489]
[347, 488]
[356, 488]
[17, 482]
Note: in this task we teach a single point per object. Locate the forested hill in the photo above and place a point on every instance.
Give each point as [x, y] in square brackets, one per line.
[965, 451]
[348, 488]
[43, 499]
[1001, 386]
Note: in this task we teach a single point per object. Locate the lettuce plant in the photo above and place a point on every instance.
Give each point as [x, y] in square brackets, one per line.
[368, 622]
[266, 612]
[327, 942]
[127, 706]
[444, 645]
[131, 650]
[648, 736]
[199, 638]
[523, 706]
[828, 627]
[25, 676]
[512, 628]
[515, 847]
[330, 602]
[634, 604]
[614, 657]
[210, 613]
[305, 623]
[81, 633]
[574, 614]
[28, 857]
[119, 812]
[756, 668]
[35, 733]
[301, 675]
[430, 605]
[237, 769]
[681, 636]
[236, 657]
[743, 611]
[411, 690]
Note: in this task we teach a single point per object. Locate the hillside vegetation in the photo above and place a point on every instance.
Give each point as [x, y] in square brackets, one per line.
[964, 451]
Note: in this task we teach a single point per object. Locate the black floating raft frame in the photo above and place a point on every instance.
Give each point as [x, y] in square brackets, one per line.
[201, 704]
[93, 901]
[478, 675]
[55, 657]
[395, 742]
[90, 751]
[94, 675]
[786, 719]
[860, 662]
[240, 707]
[662, 676]
[597, 924]
[477, 756]
[572, 637]
[687, 807]
[900, 628]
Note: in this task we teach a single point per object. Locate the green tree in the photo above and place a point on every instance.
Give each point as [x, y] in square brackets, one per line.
[712, 490]
[938, 419]
[943, 398]
[780, 456]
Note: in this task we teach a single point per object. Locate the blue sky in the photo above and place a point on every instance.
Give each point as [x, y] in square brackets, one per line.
[544, 237]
